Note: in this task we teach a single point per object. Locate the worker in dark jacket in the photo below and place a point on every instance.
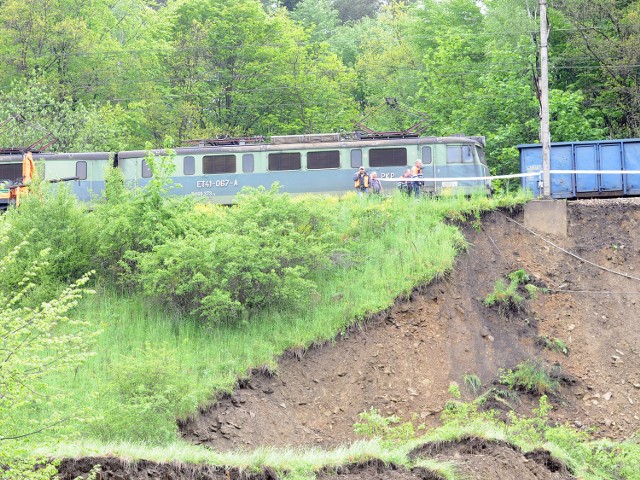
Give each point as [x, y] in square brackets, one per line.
[404, 185]
[361, 181]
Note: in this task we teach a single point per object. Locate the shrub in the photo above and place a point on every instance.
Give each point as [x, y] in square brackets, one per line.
[391, 430]
[519, 276]
[258, 255]
[133, 221]
[506, 297]
[49, 219]
[509, 298]
[530, 377]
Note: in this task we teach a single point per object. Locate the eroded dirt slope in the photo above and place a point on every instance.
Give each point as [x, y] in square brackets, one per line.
[403, 362]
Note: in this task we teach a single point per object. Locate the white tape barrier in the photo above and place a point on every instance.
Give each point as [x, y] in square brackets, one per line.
[514, 175]
[454, 179]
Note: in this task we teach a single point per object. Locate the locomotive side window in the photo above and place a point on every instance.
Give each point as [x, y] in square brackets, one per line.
[81, 170]
[189, 165]
[146, 171]
[327, 159]
[388, 157]
[459, 154]
[426, 156]
[247, 163]
[356, 158]
[285, 161]
[467, 154]
[219, 164]
[480, 153]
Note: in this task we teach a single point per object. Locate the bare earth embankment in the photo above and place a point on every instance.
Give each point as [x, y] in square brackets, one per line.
[403, 361]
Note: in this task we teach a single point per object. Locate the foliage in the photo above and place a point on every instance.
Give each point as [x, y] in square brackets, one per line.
[149, 388]
[50, 219]
[368, 254]
[134, 221]
[509, 298]
[506, 297]
[258, 255]
[520, 276]
[530, 376]
[34, 343]
[390, 430]
[454, 390]
[473, 382]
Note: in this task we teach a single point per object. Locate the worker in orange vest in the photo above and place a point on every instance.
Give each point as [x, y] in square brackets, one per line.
[361, 181]
[416, 172]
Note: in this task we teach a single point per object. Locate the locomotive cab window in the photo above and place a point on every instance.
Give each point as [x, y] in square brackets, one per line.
[247, 163]
[426, 156]
[459, 154]
[219, 164]
[81, 170]
[189, 165]
[327, 159]
[285, 161]
[146, 171]
[10, 171]
[388, 157]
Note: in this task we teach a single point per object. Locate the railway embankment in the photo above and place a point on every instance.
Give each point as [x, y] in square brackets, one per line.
[444, 347]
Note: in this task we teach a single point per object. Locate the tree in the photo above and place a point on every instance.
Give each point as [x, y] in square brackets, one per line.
[605, 59]
[353, 10]
[33, 344]
[318, 16]
[239, 70]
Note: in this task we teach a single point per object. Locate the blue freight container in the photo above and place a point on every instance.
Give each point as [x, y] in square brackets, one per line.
[598, 155]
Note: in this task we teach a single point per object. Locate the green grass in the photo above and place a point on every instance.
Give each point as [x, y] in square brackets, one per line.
[530, 376]
[400, 243]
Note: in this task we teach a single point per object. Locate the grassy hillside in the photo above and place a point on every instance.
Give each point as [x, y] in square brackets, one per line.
[160, 353]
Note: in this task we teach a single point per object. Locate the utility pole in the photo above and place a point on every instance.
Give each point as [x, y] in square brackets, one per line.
[545, 137]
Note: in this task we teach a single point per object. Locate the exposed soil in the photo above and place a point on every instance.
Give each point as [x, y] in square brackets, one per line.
[479, 459]
[402, 362]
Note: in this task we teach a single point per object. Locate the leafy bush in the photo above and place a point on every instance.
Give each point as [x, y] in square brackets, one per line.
[391, 430]
[506, 297]
[530, 377]
[50, 219]
[257, 255]
[133, 221]
[519, 276]
[509, 298]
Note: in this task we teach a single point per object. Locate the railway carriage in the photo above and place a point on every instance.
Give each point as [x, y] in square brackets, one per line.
[315, 164]
[585, 169]
[83, 171]
[322, 163]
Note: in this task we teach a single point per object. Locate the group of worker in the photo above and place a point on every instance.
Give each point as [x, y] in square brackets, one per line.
[365, 183]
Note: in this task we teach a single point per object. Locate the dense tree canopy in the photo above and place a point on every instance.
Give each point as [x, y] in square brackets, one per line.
[111, 75]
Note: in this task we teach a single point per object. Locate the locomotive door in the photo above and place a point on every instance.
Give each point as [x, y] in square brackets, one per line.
[428, 169]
